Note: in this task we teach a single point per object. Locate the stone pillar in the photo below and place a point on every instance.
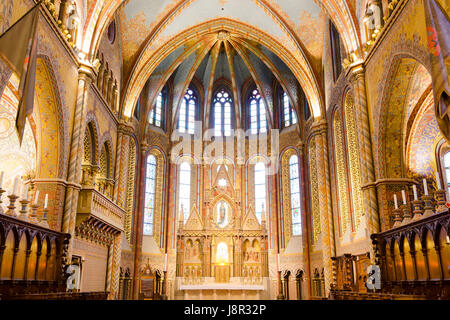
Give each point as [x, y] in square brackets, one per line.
[75, 157]
[325, 207]
[109, 269]
[124, 133]
[304, 186]
[139, 214]
[366, 153]
[115, 276]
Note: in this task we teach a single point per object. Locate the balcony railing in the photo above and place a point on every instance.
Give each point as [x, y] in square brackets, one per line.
[92, 202]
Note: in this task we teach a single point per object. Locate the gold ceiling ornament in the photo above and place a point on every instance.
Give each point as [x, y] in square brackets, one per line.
[223, 35]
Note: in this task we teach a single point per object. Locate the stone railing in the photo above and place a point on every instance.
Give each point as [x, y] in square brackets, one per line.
[92, 202]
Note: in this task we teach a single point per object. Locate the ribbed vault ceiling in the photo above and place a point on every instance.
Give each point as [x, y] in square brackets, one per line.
[223, 57]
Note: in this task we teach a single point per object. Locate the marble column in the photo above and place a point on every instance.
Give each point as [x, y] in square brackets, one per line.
[366, 154]
[324, 193]
[139, 214]
[76, 151]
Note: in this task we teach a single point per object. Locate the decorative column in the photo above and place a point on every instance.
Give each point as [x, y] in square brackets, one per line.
[139, 214]
[85, 75]
[117, 255]
[366, 155]
[325, 207]
[305, 227]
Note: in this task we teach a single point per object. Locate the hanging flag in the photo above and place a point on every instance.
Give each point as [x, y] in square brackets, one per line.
[18, 50]
[438, 36]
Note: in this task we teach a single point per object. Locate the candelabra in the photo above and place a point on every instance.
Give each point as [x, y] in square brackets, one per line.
[428, 208]
[417, 210]
[12, 207]
[44, 222]
[397, 217]
[23, 212]
[1, 201]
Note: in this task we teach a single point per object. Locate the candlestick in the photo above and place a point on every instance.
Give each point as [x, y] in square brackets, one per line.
[425, 186]
[44, 222]
[36, 197]
[415, 192]
[46, 201]
[397, 218]
[428, 207]
[12, 207]
[395, 202]
[33, 216]
[23, 212]
[417, 210]
[403, 196]
[438, 181]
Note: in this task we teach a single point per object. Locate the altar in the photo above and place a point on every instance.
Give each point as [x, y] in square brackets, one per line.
[235, 289]
[222, 252]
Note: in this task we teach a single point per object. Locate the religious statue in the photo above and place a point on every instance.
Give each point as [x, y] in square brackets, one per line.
[222, 214]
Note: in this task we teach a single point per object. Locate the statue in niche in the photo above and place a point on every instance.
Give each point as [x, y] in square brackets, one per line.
[222, 214]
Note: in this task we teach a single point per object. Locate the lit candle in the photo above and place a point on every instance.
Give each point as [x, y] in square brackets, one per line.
[46, 201]
[415, 191]
[36, 197]
[438, 181]
[403, 196]
[25, 192]
[165, 262]
[16, 184]
[1, 179]
[425, 187]
[395, 201]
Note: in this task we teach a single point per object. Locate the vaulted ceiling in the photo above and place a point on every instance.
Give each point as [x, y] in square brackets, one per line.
[152, 30]
[223, 57]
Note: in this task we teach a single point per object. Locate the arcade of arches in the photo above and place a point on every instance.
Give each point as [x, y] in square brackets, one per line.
[191, 150]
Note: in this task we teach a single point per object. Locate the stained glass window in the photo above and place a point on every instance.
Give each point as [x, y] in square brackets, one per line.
[295, 196]
[186, 118]
[222, 103]
[149, 207]
[184, 191]
[289, 117]
[257, 113]
[155, 114]
[260, 189]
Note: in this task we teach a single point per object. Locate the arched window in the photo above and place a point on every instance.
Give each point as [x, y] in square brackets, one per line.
[447, 169]
[184, 191]
[288, 115]
[222, 103]
[260, 189]
[150, 195]
[186, 119]
[155, 114]
[295, 196]
[257, 113]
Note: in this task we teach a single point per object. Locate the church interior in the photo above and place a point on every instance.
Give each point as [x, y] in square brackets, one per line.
[225, 150]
